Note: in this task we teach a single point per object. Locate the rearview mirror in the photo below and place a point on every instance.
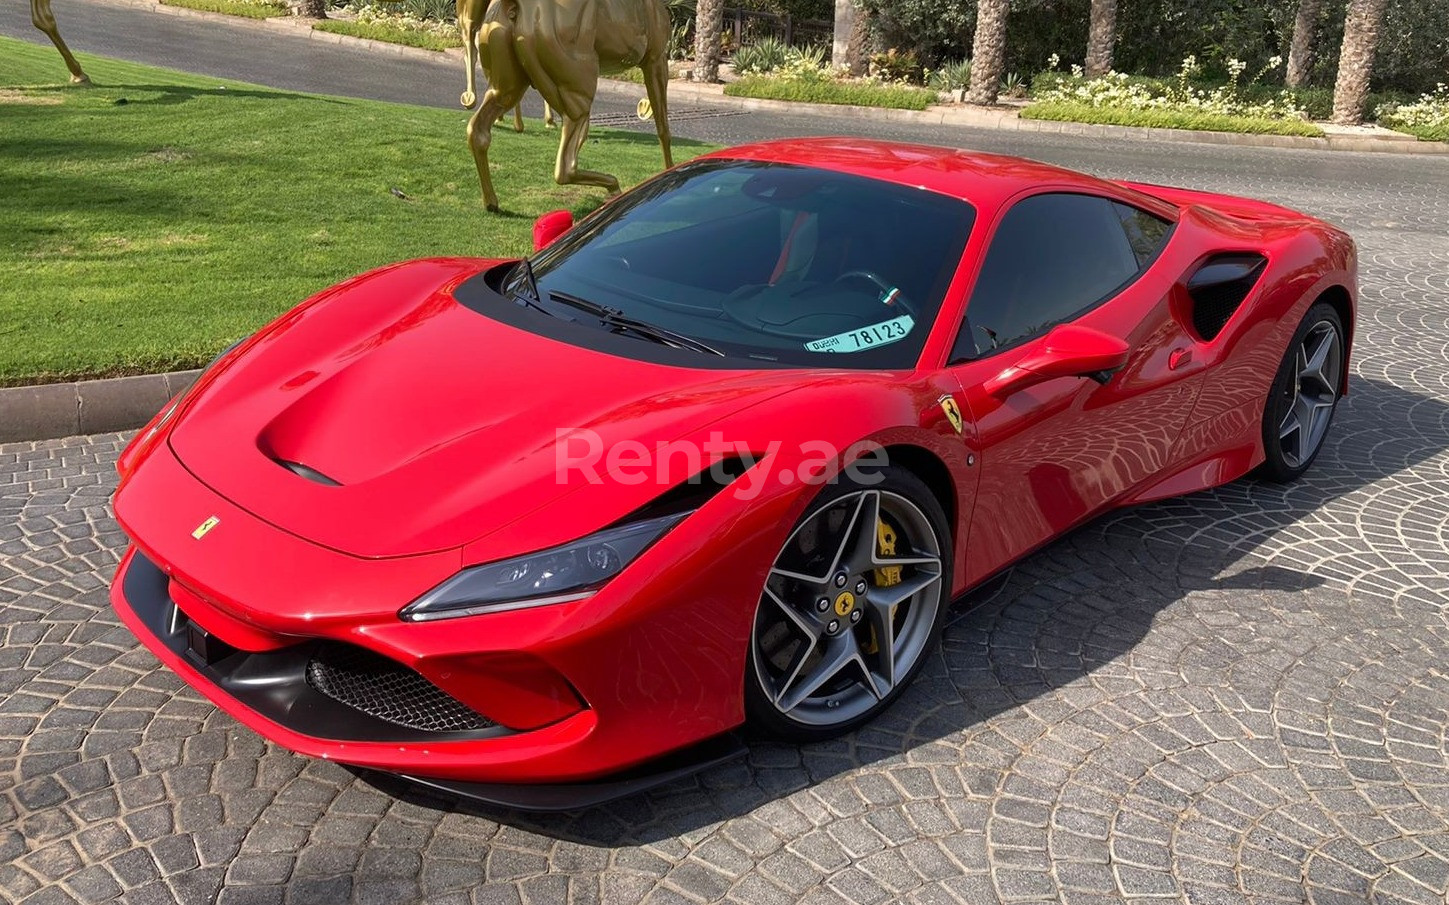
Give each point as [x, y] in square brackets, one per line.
[549, 227]
[1066, 351]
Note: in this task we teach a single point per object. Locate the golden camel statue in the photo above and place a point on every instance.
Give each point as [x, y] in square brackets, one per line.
[41, 18]
[560, 47]
[470, 20]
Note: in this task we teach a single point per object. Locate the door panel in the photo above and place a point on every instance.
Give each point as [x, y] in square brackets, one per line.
[1056, 453]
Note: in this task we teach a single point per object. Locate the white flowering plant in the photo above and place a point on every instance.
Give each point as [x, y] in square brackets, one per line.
[1117, 90]
[1427, 117]
[393, 15]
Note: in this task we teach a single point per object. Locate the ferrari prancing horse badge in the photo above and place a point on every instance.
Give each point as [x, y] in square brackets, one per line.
[953, 413]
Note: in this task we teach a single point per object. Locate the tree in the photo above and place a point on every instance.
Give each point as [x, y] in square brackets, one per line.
[988, 51]
[1361, 27]
[857, 52]
[1102, 34]
[313, 9]
[846, 13]
[1300, 50]
[708, 22]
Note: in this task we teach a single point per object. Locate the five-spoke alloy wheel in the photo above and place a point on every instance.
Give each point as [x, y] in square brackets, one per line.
[1304, 395]
[854, 602]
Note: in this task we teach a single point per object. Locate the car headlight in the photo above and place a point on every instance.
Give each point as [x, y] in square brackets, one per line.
[558, 575]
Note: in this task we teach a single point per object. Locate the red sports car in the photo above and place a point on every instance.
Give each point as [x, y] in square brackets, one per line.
[721, 453]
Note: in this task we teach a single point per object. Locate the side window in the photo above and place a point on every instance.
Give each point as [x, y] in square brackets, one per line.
[1052, 257]
[1146, 233]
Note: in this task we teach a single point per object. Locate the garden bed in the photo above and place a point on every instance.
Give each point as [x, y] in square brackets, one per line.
[249, 9]
[859, 93]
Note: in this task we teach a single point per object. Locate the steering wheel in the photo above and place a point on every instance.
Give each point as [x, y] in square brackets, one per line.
[885, 288]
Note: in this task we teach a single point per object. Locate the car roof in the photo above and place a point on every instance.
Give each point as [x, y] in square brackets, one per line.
[985, 180]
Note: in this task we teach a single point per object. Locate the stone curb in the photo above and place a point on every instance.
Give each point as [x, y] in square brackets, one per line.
[1005, 120]
[50, 410]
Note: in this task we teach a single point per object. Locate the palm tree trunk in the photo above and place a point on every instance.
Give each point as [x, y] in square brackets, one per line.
[1300, 50]
[708, 21]
[857, 54]
[845, 15]
[1101, 35]
[1356, 60]
[988, 51]
[312, 9]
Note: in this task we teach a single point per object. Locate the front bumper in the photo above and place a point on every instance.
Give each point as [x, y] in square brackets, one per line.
[558, 694]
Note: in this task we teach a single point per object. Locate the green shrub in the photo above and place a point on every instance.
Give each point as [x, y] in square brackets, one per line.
[896, 66]
[436, 10]
[382, 30]
[830, 91]
[248, 8]
[1427, 117]
[1169, 119]
[764, 56]
[953, 75]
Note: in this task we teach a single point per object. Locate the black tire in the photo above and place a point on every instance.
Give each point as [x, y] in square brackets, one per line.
[897, 485]
[1284, 463]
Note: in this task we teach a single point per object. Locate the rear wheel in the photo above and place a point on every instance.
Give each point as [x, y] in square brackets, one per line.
[854, 602]
[1304, 396]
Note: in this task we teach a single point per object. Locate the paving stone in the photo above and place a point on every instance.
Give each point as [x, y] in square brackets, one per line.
[1239, 695]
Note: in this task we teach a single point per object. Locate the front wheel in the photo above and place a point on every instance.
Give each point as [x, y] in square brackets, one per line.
[1304, 395]
[853, 604]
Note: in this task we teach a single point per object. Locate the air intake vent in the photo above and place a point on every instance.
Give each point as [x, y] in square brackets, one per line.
[311, 474]
[388, 690]
[1218, 288]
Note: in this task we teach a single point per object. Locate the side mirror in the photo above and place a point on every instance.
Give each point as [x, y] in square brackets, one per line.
[1066, 351]
[549, 227]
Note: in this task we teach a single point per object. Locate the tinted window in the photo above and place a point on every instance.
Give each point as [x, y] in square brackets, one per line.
[1052, 257]
[1146, 233]
[766, 261]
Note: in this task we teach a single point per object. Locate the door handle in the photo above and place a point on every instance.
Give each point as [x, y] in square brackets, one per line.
[1178, 358]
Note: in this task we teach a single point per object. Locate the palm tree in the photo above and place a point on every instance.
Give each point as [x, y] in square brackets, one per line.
[988, 51]
[1300, 50]
[846, 13]
[1356, 59]
[1101, 35]
[857, 52]
[314, 9]
[708, 22]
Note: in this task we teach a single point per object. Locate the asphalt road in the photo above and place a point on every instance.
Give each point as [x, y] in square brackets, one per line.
[1241, 696]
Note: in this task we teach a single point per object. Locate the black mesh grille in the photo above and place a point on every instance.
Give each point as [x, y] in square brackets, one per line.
[388, 690]
[1213, 305]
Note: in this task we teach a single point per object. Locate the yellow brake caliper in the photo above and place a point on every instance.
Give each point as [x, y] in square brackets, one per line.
[885, 542]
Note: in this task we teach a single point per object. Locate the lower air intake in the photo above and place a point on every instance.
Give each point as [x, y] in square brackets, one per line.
[388, 690]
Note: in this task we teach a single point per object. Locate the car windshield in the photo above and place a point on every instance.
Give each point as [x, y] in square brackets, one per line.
[773, 262]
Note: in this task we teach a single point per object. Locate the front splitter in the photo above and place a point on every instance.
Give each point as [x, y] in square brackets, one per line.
[580, 796]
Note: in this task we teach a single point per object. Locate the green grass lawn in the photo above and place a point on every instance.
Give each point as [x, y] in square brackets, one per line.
[151, 220]
[386, 31]
[1168, 119]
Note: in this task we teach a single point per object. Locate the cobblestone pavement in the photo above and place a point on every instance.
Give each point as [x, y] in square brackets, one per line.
[1239, 696]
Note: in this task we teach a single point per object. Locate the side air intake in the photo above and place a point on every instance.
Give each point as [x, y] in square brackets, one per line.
[1218, 287]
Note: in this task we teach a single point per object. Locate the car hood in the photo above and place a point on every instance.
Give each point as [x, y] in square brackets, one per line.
[383, 418]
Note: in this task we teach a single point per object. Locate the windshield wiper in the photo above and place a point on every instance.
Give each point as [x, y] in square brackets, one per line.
[613, 317]
[527, 272]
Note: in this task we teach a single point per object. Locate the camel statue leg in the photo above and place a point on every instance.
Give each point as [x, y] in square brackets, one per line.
[548, 119]
[566, 170]
[656, 84]
[518, 117]
[41, 18]
[470, 20]
[495, 103]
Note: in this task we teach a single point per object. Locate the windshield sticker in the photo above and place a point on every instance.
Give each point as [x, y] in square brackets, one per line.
[882, 334]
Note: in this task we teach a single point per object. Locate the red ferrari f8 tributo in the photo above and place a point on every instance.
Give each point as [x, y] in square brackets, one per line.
[723, 452]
